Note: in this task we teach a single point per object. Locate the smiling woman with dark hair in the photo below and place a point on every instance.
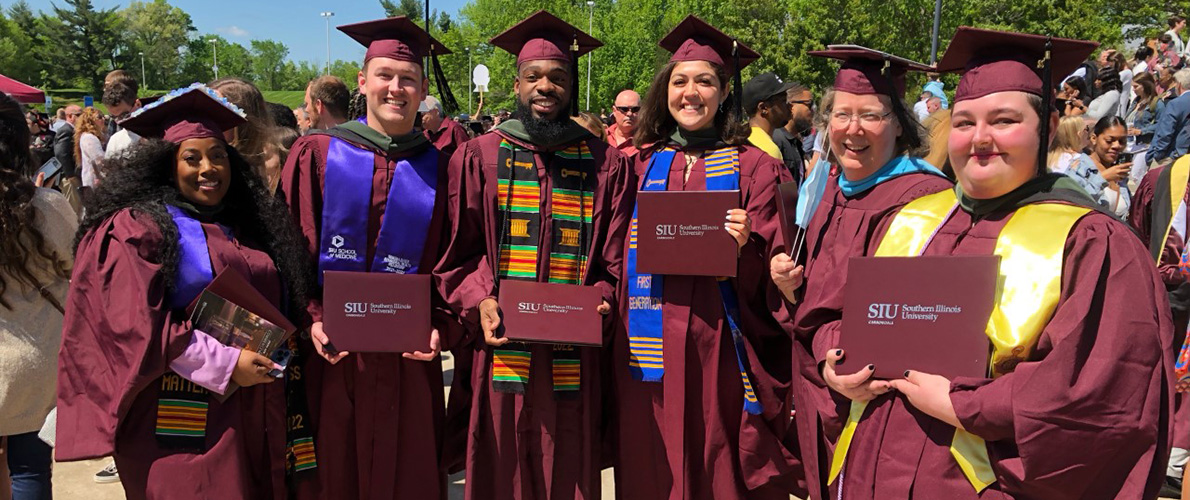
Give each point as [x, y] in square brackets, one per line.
[136, 381]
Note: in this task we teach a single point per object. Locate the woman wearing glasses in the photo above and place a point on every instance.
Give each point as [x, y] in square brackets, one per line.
[702, 364]
[872, 136]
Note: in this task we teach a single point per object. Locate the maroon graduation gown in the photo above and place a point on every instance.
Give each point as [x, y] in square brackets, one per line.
[378, 417]
[688, 436]
[118, 338]
[1141, 218]
[841, 228]
[1086, 416]
[449, 136]
[534, 446]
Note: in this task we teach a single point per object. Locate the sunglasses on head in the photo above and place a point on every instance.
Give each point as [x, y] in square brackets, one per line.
[628, 109]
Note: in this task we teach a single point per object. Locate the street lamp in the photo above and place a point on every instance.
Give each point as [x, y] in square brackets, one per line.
[327, 16]
[470, 72]
[590, 22]
[214, 55]
[142, 71]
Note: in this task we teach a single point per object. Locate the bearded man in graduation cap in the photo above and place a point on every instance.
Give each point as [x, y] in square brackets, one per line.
[369, 196]
[536, 199]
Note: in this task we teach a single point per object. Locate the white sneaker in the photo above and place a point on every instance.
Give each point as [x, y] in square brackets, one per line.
[109, 474]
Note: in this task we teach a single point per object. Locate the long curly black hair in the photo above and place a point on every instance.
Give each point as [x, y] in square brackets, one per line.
[22, 246]
[143, 180]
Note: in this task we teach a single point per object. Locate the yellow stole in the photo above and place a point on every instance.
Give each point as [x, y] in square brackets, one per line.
[1178, 179]
[1031, 248]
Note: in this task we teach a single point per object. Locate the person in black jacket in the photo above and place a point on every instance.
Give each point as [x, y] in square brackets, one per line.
[64, 152]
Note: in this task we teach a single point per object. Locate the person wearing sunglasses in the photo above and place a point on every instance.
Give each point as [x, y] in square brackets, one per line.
[626, 111]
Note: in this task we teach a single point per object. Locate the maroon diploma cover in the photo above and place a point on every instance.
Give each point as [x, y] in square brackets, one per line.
[681, 232]
[377, 312]
[551, 313]
[926, 314]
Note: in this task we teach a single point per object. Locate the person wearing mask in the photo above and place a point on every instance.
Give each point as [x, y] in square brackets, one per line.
[255, 140]
[873, 138]
[703, 387]
[134, 379]
[120, 99]
[1171, 139]
[327, 99]
[70, 183]
[89, 140]
[1075, 400]
[376, 188]
[625, 113]
[36, 231]
[1107, 100]
[764, 104]
[537, 199]
[440, 129]
[790, 138]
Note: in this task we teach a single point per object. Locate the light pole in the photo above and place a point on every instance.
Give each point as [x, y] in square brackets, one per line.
[142, 71]
[470, 72]
[214, 55]
[590, 22]
[934, 38]
[327, 16]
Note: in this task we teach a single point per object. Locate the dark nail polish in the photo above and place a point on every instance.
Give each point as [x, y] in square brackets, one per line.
[838, 352]
[906, 373]
[871, 367]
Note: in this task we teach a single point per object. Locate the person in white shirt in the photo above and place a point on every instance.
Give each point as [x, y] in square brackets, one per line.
[1176, 23]
[120, 99]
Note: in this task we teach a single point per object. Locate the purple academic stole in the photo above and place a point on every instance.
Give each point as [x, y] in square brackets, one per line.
[194, 260]
[347, 203]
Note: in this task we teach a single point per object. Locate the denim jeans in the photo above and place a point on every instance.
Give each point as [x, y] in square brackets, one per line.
[29, 461]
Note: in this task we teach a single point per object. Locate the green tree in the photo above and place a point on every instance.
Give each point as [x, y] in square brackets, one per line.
[82, 44]
[409, 8]
[197, 59]
[158, 30]
[15, 48]
[268, 63]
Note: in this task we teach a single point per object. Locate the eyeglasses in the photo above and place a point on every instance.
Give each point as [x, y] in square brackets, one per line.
[869, 119]
[628, 109]
[807, 103]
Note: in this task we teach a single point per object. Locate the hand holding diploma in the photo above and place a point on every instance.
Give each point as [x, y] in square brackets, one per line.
[323, 345]
[489, 320]
[738, 225]
[858, 386]
[435, 348]
[930, 394]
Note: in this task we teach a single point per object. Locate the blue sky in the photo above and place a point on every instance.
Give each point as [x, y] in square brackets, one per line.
[295, 23]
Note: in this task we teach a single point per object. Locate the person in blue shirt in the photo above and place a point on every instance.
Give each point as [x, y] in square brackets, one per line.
[1172, 138]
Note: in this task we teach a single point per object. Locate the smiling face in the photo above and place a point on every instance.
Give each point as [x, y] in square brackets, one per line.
[543, 86]
[993, 143]
[1109, 144]
[393, 90]
[203, 171]
[862, 145]
[695, 92]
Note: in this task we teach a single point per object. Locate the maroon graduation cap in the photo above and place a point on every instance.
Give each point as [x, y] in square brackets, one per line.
[395, 38]
[1003, 61]
[695, 40]
[1000, 61]
[544, 37]
[194, 112]
[869, 71]
[401, 39]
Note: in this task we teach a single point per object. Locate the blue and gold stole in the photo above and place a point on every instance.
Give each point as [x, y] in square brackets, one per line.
[645, 344]
[571, 199]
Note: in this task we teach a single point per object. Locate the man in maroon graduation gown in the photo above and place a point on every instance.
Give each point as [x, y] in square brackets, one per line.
[839, 229]
[535, 427]
[446, 134]
[380, 414]
[1161, 225]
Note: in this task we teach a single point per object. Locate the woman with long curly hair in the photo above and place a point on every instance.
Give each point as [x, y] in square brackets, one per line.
[135, 380]
[89, 139]
[256, 139]
[702, 364]
[36, 226]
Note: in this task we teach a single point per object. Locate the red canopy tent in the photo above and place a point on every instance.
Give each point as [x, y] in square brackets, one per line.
[20, 91]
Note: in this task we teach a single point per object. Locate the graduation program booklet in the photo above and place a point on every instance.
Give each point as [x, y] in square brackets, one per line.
[234, 313]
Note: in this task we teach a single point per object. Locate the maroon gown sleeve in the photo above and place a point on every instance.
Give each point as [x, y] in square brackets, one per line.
[463, 275]
[301, 187]
[118, 335]
[1140, 218]
[1099, 379]
[621, 199]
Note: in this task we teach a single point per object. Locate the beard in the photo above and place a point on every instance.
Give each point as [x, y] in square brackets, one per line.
[802, 124]
[543, 130]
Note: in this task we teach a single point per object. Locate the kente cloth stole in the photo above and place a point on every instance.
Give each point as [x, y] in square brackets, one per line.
[182, 405]
[571, 200]
[1031, 247]
[346, 208]
[645, 341]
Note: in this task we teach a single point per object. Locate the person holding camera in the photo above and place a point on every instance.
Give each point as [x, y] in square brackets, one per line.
[1109, 138]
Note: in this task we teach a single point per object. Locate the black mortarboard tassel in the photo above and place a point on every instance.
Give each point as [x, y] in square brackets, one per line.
[574, 76]
[448, 99]
[737, 92]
